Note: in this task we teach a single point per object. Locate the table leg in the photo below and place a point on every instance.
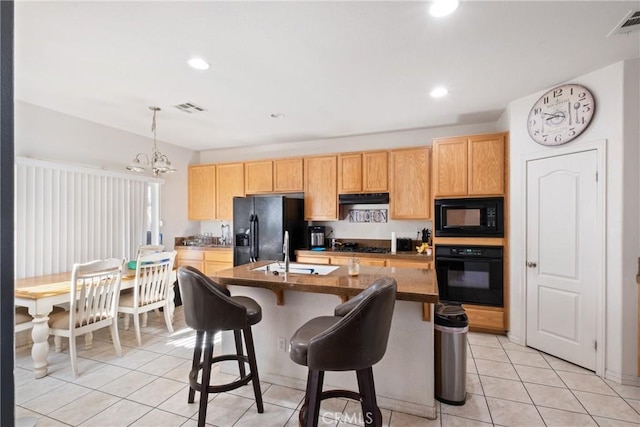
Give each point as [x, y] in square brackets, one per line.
[40, 349]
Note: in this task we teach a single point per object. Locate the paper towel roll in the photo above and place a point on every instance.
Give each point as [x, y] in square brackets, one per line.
[393, 242]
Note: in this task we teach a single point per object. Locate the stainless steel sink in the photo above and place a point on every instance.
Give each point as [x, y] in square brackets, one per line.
[297, 268]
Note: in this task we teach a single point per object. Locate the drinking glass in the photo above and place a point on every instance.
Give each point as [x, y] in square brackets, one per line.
[353, 266]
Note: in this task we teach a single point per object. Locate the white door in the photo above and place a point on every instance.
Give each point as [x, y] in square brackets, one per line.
[563, 256]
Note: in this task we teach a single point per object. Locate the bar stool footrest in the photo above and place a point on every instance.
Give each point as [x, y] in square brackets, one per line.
[220, 388]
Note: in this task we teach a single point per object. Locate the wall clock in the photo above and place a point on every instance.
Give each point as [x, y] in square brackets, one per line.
[561, 114]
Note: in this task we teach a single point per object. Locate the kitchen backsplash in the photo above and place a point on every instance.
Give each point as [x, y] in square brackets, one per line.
[344, 229]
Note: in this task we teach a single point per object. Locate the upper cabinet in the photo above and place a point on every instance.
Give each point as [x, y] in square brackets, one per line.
[321, 188]
[472, 165]
[202, 192]
[409, 184]
[363, 172]
[274, 176]
[288, 176]
[229, 183]
[258, 177]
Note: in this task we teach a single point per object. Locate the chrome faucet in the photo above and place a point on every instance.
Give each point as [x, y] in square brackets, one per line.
[285, 249]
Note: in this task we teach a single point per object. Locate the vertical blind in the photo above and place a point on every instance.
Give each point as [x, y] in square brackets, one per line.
[67, 214]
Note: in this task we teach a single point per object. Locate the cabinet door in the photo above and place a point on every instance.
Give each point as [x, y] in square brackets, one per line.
[450, 167]
[321, 188]
[309, 259]
[375, 172]
[202, 192]
[409, 189]
[486, 164]
[258, 177]
[350, 173]
[229, 183]
[287, 176]
[403, 263]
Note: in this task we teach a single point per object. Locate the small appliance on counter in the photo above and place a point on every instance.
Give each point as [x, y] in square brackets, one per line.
[316, 236]
[404, 244]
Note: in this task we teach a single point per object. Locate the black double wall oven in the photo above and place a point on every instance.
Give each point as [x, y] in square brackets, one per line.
[470, 273]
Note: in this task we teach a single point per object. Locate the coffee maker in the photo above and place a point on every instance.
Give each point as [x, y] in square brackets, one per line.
[316, 236]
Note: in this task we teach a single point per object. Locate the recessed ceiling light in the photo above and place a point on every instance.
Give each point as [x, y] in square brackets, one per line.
[439, 92]
[276, 115]
[441, 8]
[198, 64]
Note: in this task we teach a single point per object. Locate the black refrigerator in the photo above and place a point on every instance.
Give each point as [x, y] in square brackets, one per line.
[259, 223]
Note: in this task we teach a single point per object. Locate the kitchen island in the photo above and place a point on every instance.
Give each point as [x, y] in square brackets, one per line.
[404, 377]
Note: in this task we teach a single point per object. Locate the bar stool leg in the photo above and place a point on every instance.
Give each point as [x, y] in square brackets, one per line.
[197, 354]
[206, 378]
[370, 411]
[238, 337]
[314, 393]
[253, 365]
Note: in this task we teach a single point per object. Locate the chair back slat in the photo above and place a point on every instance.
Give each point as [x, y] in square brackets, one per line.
[153, 273]
[95, 294]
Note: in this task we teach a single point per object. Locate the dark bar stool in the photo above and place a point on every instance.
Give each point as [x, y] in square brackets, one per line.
[354, 339]
[210, 308]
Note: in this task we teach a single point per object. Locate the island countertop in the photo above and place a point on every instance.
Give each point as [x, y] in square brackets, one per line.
[414, 284]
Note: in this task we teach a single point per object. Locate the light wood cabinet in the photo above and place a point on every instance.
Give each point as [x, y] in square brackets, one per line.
[229, 183]
[288, 175]
[409, 184]
[217, 260]
[374, 262]
[187, 257]
[350, 173]
[375, 172]
[309, 259]
[450, 167]
[364, 260]
[487, 164]
[405, 263]
[207, 261]
[469, 166]
[321, 188]
[202, 192]
[258, 177]
[363, 172]
[486, 318]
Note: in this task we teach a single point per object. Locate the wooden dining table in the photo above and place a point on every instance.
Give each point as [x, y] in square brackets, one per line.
[39, 294]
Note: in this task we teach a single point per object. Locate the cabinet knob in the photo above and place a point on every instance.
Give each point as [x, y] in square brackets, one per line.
[531, 264]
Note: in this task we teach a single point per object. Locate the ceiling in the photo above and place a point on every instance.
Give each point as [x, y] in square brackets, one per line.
[332, 68]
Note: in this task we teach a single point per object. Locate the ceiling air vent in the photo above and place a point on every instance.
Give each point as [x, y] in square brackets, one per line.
[189, 107]
[630, 22]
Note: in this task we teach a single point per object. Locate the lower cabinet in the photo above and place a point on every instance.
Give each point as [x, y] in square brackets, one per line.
[375, 262]
[207, 261]
[485, 318]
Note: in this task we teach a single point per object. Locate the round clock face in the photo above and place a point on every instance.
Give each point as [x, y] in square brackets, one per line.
[561, 114]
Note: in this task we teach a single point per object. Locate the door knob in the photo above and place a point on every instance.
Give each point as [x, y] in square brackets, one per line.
[531, 264]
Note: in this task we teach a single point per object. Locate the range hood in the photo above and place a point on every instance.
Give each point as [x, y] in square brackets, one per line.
[363, 198]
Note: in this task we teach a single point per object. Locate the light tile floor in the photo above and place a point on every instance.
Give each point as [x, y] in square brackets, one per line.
[507, 385]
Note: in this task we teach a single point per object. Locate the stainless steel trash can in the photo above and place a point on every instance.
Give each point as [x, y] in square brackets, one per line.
[451, 325]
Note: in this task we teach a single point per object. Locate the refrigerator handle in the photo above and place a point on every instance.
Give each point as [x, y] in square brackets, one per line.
[251, 238]
[256, 239]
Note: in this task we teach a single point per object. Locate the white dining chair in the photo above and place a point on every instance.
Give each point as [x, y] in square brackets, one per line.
[149, 249]
[150, 292]
[95, 291]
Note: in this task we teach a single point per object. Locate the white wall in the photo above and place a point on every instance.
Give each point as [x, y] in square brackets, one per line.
[616, 109]
[45, 134]
[343, 229]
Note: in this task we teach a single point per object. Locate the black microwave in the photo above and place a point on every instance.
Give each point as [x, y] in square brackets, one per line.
[469, 217]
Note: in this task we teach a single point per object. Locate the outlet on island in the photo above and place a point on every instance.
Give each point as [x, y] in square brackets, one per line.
[282, 344]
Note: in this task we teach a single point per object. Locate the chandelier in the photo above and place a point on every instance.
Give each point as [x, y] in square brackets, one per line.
[158, 162]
